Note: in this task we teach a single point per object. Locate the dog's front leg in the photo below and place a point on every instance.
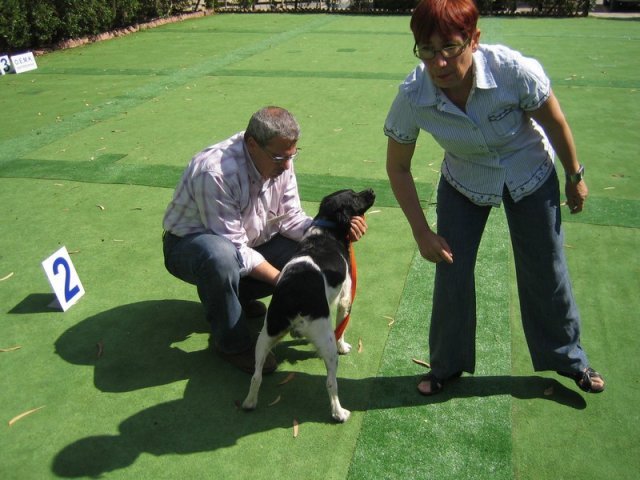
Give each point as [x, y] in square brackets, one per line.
[343, 347]
[344, 306]
[263, 345]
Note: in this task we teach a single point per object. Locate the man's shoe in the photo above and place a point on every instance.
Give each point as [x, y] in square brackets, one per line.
[246, 361]
[254, 309]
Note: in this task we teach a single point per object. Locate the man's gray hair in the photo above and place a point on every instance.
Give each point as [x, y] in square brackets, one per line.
[270, 122]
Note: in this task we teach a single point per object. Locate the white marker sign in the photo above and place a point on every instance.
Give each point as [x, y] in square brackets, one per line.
[24, 62]
[63, 278]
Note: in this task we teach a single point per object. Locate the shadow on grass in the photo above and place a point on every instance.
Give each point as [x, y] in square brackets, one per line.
[523, 388]
[35, 303]
[154, 343]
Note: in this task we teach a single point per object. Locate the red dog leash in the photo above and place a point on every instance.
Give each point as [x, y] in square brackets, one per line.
[354, 280]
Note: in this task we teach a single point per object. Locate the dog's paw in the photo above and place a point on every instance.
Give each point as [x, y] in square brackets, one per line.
[341, 415]
[343, 347]
[249, 404]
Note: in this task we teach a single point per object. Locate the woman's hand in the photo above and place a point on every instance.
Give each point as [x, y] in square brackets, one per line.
[576, 195]
[433, 247]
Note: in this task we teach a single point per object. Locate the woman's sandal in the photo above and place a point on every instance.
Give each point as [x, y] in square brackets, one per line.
[584, 379]
[436, 383]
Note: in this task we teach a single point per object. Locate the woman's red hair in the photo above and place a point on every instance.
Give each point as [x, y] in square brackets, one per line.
[445, 17]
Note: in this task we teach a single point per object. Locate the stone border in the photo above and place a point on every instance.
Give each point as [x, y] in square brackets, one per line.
[76, 42]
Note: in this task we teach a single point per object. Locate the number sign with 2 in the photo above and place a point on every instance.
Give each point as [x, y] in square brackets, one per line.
[63, 278]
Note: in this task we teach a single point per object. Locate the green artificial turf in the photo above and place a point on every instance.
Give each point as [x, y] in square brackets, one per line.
[468, 427]
[92, 144]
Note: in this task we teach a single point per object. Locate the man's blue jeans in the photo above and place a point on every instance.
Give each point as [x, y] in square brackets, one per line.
[550, 316]
[212, 263]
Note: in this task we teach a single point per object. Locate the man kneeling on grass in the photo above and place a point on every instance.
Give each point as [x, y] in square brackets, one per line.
[234, 221]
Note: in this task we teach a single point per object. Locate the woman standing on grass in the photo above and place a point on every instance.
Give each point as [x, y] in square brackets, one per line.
[494, 114]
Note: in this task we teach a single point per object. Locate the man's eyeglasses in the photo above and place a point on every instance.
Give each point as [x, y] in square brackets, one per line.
[448, 52]
[278, 158]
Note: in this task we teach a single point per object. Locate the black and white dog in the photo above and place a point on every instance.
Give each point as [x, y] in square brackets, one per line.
[316, 280]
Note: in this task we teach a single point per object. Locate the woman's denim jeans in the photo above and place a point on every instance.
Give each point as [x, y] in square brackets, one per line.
[549, 314]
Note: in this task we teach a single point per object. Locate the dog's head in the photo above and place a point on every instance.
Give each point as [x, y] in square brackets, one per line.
[340, 206]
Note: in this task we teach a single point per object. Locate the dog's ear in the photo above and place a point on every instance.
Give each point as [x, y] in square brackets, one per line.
[343, 218]
[328, 206]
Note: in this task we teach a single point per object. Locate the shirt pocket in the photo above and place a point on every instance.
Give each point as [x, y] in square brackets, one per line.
[505, 121]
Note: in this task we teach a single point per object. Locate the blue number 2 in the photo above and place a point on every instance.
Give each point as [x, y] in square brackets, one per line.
[69, 293]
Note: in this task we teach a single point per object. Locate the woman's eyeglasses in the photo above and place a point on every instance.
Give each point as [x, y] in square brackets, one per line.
[450, 51]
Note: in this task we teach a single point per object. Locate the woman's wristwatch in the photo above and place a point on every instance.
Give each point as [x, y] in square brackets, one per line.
[576, 177]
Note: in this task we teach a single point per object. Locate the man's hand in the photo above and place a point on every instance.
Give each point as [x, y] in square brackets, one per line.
[358, 228]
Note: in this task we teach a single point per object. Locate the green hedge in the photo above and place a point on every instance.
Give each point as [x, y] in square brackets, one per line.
[26, 24]
[395, 5]
[542, 8]
[31, 24]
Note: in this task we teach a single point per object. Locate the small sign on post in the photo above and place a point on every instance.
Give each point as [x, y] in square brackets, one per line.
[63, 279]
[24, 62]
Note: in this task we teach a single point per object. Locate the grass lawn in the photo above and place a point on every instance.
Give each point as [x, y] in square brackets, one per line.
[92, 144]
